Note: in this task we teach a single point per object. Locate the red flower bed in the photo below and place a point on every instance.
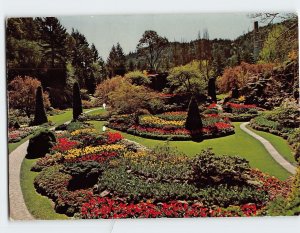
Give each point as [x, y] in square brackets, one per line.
[273, 186]
[213, 105]
[98, 207]
[222, 125]
[113, 137]
[233, 105]
[65, 144]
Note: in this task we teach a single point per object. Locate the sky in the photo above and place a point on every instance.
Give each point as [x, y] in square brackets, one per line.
[106, 30]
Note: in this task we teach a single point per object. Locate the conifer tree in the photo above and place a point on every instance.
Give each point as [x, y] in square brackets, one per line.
[77, 105]
[193, 120]
[40, 116]
[212, 89]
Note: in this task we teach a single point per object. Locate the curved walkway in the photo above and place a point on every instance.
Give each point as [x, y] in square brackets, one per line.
[271, 150]
[17, 206]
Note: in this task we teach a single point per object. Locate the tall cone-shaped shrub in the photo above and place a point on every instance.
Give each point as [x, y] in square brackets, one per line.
[77, 105]
[40, 116]
[193, 120]
[212, 89]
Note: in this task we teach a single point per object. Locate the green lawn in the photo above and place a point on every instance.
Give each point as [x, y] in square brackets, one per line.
[39, 206]
[98, 111]
[240, 144]
[279, 143]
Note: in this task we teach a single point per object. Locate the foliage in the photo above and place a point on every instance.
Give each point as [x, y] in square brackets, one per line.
[137, 77]
[241, 75]
[209, 169]
[16, 135]
[128, 98]
[40, 144]
[107, 86]
[276, 47]
[116, 61]
[48, 161]
[40, 113]
[151, 46]
[84, 174]
[187, 79]
[77, 104]
[129, 186]
[22, 87]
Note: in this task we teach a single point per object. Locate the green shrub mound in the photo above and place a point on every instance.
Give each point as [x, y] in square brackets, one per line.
[210, 169]
[84, 174]
[122, 183]
[40, 144]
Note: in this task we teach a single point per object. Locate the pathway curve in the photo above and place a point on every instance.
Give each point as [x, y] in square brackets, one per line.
[271, 150]
[17, 206]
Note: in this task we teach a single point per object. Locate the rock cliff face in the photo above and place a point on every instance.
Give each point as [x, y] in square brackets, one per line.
[269, 91]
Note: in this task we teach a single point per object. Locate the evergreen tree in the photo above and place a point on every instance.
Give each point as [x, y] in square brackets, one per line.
[77, 105]
[212, 89]
[54, 37]
[94, 53]
[116, 61]
[40, 116]
[193, 120]
[235, 92]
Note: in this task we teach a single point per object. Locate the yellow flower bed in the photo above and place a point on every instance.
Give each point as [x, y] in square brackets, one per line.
[81, 131]
[73, 153]
[134, 155]
[159, 121]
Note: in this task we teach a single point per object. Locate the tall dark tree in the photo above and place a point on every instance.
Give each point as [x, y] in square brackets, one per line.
[193, 120]
[54, 37]
[94, 53]
[116, 61]
[212, 89]
[151, 46]
[235, 92]
[40, 116]
[77, 105]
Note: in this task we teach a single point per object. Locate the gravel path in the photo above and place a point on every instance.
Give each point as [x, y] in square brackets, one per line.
[17, 206]
[270, 148]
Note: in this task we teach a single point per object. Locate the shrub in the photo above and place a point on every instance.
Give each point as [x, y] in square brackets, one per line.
[87, 104]
[47, 161]
[40, 113]
[193, 120]
[138, 78]
[84, 174]
[212, 89]
[241, 75]
[77, 105]
[40, 144]
[209, 169]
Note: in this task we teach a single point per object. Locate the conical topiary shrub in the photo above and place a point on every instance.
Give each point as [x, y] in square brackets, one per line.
[212, 89]
[77, 105]
[40, 116]
[193, 120]
[235, 92]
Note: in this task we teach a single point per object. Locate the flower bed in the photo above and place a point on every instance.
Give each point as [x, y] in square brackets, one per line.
[240, 112]
[106, 178]
[171, 126]
[16, 135]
